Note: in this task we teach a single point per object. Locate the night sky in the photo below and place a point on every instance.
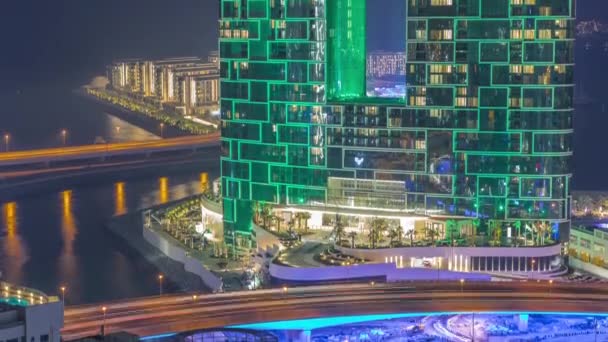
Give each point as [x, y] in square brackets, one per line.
[68, 40]
[55, 40]
[386, 32]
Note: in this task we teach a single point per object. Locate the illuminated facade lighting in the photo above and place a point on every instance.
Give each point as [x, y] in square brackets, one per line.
[484, 132]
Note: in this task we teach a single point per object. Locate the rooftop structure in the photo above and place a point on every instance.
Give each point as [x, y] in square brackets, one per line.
[29, 315]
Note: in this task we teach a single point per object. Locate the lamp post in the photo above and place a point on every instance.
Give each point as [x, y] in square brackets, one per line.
[462, 285]
[160, 284]
[7, 139]
[550, 285]
[473, 327]
[233, 246]
[438, 271]
[162, 129]
[103, 324]
[63, 288]
[64, 134]
[595, 330]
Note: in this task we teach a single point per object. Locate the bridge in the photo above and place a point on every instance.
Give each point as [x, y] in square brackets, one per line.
[189, 312]
[102, 151]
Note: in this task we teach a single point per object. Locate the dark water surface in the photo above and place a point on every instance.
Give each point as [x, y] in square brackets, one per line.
[59, 237]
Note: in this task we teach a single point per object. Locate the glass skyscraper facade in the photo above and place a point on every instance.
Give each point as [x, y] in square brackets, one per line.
[483, 135]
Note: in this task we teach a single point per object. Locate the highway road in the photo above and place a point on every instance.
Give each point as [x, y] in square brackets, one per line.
[101, 150]
[188, 312]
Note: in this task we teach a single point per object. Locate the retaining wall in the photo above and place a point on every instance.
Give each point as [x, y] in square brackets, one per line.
[177, 253]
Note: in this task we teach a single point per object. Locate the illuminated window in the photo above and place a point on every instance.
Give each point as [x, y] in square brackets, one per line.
[515, 68]
[516, 34]
[544, 10]
[560, 69]
[441, 2]
[544, 34]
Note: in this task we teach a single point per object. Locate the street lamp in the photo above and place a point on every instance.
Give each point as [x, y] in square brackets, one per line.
[550, 285]
[64, 134]
[160, 284]
[162, 129]
[7, 139]
[533, 262]
[233, 246]
[473, 327]
[103, 324]
[461, 285]
[63, 288]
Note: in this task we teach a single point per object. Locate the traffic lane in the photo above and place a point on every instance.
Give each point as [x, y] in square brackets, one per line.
[288, 310]
[503, 297]
[310, 292]
[85, 149]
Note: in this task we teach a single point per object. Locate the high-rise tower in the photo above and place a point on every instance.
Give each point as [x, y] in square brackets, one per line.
[477, 153]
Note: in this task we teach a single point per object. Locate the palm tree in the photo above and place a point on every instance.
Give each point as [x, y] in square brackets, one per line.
[543, 228]
[352, 236]
[433, 233]
[298, 218]
[377, 227]
[305, 216]
[255, 207]
[266, 213]
[517, 226]
[410, 234]
[338, 231]
[451, 227]
[393, 234]
[278, 220]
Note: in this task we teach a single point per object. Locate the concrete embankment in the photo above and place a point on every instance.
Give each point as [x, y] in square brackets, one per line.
[130, 229]
[177, 254]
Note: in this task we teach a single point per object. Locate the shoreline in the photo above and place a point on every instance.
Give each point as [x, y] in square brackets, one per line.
[151, 118]
[134, 118]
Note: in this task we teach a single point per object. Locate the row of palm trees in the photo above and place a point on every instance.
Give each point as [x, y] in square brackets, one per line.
[266, 217]
[378, 229]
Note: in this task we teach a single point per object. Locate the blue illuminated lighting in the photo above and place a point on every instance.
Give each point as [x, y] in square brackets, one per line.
[154, 337]
[318, 323]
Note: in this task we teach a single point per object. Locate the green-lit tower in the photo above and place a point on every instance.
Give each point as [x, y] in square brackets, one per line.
[480, 147]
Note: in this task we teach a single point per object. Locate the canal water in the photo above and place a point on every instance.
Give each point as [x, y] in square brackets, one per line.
[59, 238]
